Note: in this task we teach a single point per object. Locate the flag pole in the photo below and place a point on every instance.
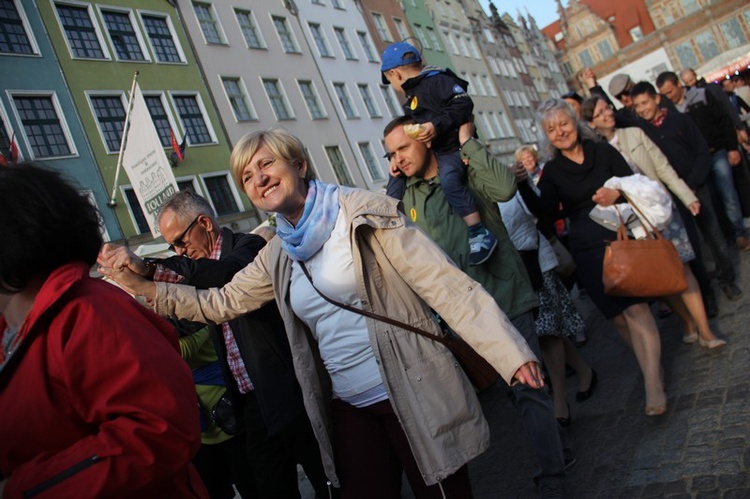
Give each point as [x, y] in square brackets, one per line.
[112, 201]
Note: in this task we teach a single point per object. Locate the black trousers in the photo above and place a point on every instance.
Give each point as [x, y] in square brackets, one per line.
[220, 465]
[274, 458]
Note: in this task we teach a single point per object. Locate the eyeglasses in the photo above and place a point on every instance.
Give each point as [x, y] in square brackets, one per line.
[179, 242]
[605, 110]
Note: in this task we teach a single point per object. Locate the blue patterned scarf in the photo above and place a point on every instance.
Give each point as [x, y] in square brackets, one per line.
[316, 224]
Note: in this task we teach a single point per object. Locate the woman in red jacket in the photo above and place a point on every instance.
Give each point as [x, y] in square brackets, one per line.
[94, 397]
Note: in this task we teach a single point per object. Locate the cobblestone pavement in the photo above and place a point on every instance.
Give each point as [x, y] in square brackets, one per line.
[699, 449]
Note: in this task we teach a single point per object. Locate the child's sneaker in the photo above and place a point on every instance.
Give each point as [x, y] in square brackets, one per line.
[481, 245]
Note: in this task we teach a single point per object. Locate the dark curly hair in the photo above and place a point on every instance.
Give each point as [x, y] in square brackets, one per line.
[45, 222]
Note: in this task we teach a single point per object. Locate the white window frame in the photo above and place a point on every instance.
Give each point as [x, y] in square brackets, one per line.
[175, 38]
[105, 93]
[35, 52]
[170, 112]
[382, 27]
[367, 46]
[216, 20]
[343, 159]
[390, 100]
[232, 187]
[193, 180]
[314, 27]
[364, 89]
[292, 38]
[204, 112]
[314, 90]
[348, 95]
[60, 116]
[245, 94]
[101, 9]
[284, 96]
[136, 29]
[254, 22]
[434, 40]
[95, 23]
[9, 130]
[400, 28]
[375, 165]
[340, 33]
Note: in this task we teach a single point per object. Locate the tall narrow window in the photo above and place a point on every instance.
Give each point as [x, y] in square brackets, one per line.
[237, 99]
[421, 36]
[249, 29]
[110, 115]
[193, 119]
[346, 49]
[403, 34]
[311, 99]
[121, 32]
[376, 173]
[285, 35]
[366, 46]
[372, 109]
[42, 126]
[320, 40]
[277, 99]
[221, 195]
[13, 36]
[336, 159]
[159, 116]
[385, 35]
[208, 22]
[346, 103]
[141, 224]
[80, 31]
[389, 101]
[434, 42]
[162, 40]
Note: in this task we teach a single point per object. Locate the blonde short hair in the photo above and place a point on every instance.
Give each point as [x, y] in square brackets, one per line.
[529, 149]
[280, 142]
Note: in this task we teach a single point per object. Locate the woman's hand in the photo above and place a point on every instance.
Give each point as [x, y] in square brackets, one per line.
[605, 196]
[530, 375]
[695, 208]
[130, 281]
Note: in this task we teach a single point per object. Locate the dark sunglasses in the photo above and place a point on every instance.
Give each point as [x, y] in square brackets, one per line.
[179, 242]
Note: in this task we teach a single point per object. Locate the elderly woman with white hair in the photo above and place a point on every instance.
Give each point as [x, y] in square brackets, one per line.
[574, 176]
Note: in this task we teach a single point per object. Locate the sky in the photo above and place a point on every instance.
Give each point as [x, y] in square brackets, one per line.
[544, 11]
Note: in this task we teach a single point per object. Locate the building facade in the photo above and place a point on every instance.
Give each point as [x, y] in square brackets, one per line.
[37, 111]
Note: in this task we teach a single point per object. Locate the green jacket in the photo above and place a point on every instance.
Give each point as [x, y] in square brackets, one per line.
[503, 275]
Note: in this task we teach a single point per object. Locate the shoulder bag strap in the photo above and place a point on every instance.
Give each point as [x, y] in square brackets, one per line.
[369, 314]
[652, 230]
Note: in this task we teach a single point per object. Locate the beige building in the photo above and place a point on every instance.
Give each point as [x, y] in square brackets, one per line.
[649, 36]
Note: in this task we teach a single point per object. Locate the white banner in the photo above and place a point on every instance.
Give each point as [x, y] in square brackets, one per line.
[146, 162]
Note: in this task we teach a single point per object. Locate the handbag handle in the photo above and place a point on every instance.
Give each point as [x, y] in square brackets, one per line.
[372, 315]
[650, 229]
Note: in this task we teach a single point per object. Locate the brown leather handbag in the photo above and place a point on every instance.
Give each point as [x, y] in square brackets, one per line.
[645, 268]
[480, 372]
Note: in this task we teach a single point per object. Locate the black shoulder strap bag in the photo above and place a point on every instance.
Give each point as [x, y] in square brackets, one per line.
[480, 372]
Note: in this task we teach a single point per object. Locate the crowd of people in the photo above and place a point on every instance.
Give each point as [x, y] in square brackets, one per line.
[299, 348]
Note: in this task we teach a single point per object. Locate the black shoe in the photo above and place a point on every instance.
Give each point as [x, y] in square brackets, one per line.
[712, 309]
[565, 422]
[586, 394]
[731, 291]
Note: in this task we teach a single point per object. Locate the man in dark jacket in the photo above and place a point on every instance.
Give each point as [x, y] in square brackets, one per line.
[682, 143]
[716, 126]
[253, 349]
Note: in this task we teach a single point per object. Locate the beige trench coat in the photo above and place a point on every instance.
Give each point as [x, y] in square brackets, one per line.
[638, 148]
[401, 273]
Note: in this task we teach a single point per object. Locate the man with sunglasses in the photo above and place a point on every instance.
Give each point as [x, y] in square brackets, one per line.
[253, 350]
